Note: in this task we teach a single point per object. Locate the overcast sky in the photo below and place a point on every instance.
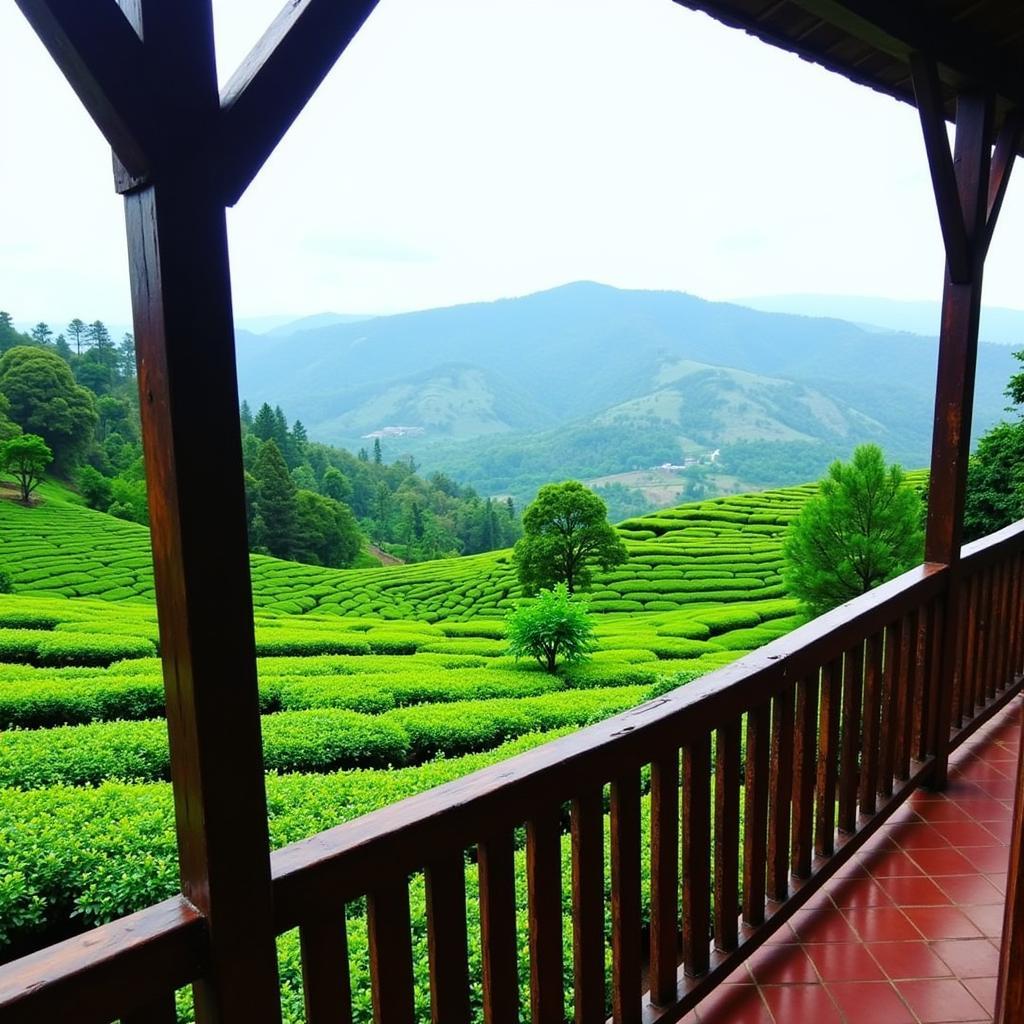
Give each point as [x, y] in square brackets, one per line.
[473, 149]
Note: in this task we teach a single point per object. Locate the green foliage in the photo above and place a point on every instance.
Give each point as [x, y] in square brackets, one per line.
[565, 534]
[275, 515]
[6, 580]
[553, 625]
[995, 477]
[45, 400]
[326, 532]
[861, 529]
[26, 456]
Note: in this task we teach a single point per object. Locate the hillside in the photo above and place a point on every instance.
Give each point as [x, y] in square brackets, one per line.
[600, 381]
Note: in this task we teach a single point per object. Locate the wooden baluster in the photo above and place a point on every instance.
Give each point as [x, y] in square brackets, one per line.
[496, 858]
[929, 743]
[849, 763]
[904, 695]
[804, 774]
[828, 758]
[755, 812]
[544, 887]
[588, 943]
[872, 724]
[627, 963]
[664, 877]
[780, 795]
[958, 699]
[326, 988]
[696, 859]
[727, 837]
[447, 940]
[390, 939]
[1017, 617]
[981, 651]
[887, 744]
[922, 665]
[1005, 583]
[973, 596]
[159, 1011]
[991, 635]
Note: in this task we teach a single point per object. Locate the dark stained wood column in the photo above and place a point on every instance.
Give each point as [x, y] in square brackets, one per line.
[181, 298]
[1010, 993]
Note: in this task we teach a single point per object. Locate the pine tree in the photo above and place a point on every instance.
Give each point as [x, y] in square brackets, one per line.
[364, 455]
[126, 356]
[264, 423]
[299, 440]
[274, 508]
[245, 415]
[378, 455]
[76, 332]
[101, 345]
[41, 333]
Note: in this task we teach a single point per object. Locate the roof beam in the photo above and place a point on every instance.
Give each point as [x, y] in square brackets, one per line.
[277, 79]
[940, 162]
[1007, 146]
[104, 60]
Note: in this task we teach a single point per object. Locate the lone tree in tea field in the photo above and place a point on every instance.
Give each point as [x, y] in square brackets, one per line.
[565, 534]
[26, 457]
[863, 527]
[554, 625]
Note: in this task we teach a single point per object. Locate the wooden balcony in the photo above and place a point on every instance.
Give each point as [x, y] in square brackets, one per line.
[742, 795]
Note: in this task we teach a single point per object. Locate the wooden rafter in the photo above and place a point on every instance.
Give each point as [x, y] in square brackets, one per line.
[105, 62]
[1007, 147]
[277, 79]
[930, 106]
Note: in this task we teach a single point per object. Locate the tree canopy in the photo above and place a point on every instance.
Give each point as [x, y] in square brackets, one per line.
[995, 476]
[45, 400]
[554, 625]
[565, 534]
[863, 527]
[26, 456]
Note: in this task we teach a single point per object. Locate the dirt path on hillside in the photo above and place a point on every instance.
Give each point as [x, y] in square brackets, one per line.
[382, 556]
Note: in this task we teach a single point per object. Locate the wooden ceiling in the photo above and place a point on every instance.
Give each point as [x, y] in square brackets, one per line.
[977, 44]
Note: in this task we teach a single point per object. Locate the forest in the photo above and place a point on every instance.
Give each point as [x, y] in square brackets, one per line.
[306, 501]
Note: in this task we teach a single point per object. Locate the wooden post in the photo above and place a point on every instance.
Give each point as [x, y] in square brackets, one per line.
[1010, 991]
[962, 184]
[181, 299]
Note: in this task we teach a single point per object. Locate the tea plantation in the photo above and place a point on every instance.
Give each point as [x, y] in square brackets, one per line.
[374, 684]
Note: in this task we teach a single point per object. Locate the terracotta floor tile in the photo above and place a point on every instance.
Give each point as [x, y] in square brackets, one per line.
[969, 958]
[982, 808]
[823, 926]
[965, 833]
[870, 1002]
[881, 924]
[734, 1004]
[969, 890]
[784, 936]
[944, 810]
[789, 1003]
[782, 965]
[998, 879]
[939, 1001]
[942, 922]
[907, 960]
[887, 863]
[944, 862]
[914, 891]
[984, 990]
[988, 920]
[990, 859]
[1002, 830]
[844, 961]
[858, 892]
[916, 835]
[1000, 789]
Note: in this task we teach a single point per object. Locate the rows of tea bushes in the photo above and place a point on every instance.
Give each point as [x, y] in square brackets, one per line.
[720, 551]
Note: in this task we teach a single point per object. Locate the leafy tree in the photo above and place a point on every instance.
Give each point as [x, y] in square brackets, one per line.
[95, 488]
[26, 456]
[327, 531]
[863, 527]
[76, 332]
[100, 343]
[128, 499]
[565, 534]
[126, 356]
[274, 507]
[245, 415]
[6, 581]
[554, 625]
[7, 428]
[995, 476]
[335, 485]
[62, 348]
[41, 333]
[45, 400]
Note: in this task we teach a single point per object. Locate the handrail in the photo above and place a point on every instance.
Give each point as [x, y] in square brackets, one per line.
[345, 862]
[993, 547]
[108, 971]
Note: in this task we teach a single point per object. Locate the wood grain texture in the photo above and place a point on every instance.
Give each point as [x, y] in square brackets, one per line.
[755, 812]
[448, 939]
[1010, 990]
[828, 758]
[852, 728]
[544, 896]
[496, 859]
[326, 986]
[588, 942]
[160, 1011]
[696, 856]
[871, 723]
[665, 857]
[389, 930]
[780, 796]
[627, 960]
[727, 836]
[805, 759]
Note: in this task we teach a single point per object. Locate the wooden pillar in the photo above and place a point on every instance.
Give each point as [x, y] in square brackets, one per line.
[1010, 991]
[181, 299]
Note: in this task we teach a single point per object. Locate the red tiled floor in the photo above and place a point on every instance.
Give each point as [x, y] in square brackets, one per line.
[907, 931]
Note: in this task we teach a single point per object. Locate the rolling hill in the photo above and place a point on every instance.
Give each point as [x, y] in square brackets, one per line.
[587, 380]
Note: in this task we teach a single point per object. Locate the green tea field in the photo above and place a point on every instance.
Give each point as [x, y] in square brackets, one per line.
[374, 684]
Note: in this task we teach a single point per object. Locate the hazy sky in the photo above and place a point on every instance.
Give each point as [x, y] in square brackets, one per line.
[472, 149]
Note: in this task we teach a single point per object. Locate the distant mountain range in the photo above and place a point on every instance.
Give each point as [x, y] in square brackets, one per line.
[586, 380]
[999, 325]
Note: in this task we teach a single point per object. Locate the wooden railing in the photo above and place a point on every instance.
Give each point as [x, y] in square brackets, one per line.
[764, 777]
